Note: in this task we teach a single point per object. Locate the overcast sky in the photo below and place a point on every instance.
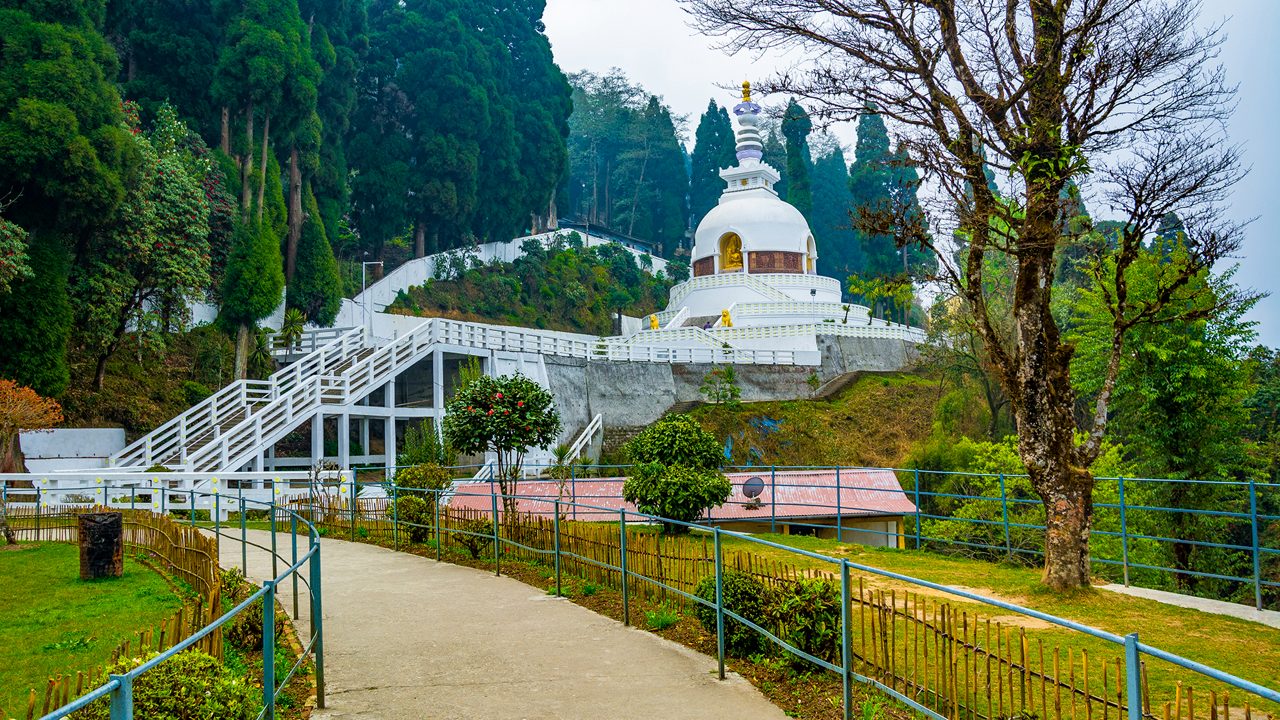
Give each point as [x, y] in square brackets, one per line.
[651, 42]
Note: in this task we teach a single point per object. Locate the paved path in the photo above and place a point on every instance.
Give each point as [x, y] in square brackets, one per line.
[407, 637]
[1216, 607]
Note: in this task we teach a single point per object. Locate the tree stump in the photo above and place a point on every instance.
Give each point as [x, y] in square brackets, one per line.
[101, 545]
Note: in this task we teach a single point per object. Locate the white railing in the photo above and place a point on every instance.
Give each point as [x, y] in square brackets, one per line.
[580, 445]
[822, 282]
[169, 443]
[240, 443]
[799, 307]
[878, 329]
[682, 334]
[164, 492]
[676, 320]
[679, 292]
[312, 339]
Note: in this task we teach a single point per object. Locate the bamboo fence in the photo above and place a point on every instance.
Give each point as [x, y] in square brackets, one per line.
[956, 661]
[180, 549]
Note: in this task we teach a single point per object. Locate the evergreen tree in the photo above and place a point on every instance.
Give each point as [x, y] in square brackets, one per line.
[839, 249]
[917, 262]
[64, 157]
[251, 286]
[339, 43]
[796, 127]
[165, 49]
[871, 179]
[775, 156]
[713, 150]
[35, 321]
[316, 289]
[628, 170]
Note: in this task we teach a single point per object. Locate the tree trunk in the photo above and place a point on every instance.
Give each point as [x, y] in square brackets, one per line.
[295, 215]
[553, 222]
[225, 139]
[635, 198]
[246, 169]
[262, 184]
[242, 352]
[100, 371]
[419, 240]
[1043, 402]
[1068, 505]
[11, 460]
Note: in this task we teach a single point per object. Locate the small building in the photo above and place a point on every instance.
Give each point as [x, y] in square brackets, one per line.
[865, 506]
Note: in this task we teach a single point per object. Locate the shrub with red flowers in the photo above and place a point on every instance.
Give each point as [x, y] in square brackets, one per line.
[505, 415]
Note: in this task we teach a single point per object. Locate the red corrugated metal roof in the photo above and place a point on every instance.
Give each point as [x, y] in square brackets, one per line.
[785, 494]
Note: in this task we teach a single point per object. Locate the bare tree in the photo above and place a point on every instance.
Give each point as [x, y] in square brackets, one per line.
[1129, 91]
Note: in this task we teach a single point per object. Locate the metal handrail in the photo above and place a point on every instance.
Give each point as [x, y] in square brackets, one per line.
[119, 688]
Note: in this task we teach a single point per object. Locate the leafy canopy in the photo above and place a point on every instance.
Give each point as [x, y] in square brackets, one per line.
[507, 414]
[676, 440]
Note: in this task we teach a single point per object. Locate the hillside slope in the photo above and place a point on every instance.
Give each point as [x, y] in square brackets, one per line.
[875, 421]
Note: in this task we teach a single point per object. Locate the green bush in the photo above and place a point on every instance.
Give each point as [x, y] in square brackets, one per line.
[720, 386]
[415, 509]
[423, 446]
[676, 440]
[189, 686]
[676, 492]
[807, 615]
[480, 537]
[193, 392]
[424, 476]
[744, 595]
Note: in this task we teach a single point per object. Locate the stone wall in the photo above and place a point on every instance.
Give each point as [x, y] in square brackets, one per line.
[631, 395]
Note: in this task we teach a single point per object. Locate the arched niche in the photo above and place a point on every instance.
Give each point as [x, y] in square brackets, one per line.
[811, 257]
[730, 252]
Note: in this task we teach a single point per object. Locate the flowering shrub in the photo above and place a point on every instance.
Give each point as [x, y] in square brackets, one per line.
[507, 416]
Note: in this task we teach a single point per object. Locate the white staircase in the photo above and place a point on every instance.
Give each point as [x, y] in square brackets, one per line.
[205, 424]
[242, 421]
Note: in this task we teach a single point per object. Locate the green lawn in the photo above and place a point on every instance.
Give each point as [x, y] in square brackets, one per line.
[52, 622]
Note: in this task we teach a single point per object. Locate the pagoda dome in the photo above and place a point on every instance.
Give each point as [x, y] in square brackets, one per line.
[773, 235]
[752, 230]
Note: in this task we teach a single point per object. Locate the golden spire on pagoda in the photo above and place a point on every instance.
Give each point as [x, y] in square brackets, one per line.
[746, 91]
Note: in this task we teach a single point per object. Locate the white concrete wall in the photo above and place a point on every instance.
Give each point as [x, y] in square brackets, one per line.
[67, 448]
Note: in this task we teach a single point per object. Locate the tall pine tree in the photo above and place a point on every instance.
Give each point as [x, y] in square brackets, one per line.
[839, 249]
[796, 127]
[316, 288]
[713, 150]
[871, 182]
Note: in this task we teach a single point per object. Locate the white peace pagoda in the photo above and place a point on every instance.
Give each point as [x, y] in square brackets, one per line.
[754, 267]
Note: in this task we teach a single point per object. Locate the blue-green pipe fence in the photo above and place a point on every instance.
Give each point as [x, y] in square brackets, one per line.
[1134, 651]
[1129, 545]
[119, 687]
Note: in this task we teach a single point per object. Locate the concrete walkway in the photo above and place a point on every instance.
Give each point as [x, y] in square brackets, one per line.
[407, 637]
[1216, 607]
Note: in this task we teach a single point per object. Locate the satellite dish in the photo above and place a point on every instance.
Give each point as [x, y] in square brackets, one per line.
[753, 487]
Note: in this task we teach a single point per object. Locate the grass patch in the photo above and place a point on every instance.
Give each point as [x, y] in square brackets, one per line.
[892, 412]
[51, 621]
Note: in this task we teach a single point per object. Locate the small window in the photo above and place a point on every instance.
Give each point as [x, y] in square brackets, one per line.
[743, 182]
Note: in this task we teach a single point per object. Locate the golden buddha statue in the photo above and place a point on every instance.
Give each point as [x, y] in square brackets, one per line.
[730, 253]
